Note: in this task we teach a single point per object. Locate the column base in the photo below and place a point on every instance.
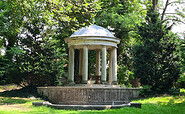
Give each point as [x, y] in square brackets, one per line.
[84, 82]
[104, 82]
[71, 84]
[114, 83]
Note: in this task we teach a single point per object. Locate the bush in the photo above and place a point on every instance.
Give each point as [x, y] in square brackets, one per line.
[174, 91]
[146, 90]
[5, 64]
[124, 75]
[42, 65]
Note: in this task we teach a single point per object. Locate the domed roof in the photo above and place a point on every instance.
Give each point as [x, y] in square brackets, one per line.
[93, 30]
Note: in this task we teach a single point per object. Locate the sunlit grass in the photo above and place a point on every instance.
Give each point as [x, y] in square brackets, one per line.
[164, 100]
[9, 87]
[182, 91]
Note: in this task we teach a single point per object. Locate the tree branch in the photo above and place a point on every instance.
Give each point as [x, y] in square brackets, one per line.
[176, 2]
[164, 10]
[171, 13]
[175, 14]
[174, 20]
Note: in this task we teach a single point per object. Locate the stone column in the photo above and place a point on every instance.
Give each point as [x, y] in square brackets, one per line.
[97, 62]
[71, 65]
[103, 71]
[114, 66]
[80, 61]
[85, 65]
[110, 66]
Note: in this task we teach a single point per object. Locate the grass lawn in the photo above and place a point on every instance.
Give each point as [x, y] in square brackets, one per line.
[17, 101]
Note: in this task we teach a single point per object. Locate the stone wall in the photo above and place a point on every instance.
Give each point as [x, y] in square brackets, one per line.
[82, 96]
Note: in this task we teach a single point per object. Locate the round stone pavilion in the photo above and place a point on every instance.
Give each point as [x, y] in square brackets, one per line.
[96, 38]
[105, 93]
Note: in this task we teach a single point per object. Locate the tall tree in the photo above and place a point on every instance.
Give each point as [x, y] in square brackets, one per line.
[155, 57]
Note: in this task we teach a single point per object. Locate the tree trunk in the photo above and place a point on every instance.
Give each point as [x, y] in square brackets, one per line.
[155, 4]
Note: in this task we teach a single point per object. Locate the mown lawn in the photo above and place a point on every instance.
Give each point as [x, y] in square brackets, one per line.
[165, 104]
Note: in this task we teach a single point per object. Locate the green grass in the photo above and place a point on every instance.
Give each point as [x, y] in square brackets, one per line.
[165, 104]
[8, 87]
[9, 100]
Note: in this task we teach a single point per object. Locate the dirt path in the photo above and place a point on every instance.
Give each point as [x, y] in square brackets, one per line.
[19, 107]
[12, 106]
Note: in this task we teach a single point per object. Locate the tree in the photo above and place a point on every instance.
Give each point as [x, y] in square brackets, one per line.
[181, 81]
[155, 54]
[10, 21]
[8, 34]
[121, 17]
[40, 37]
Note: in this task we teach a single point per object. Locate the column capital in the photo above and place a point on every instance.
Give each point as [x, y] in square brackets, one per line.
[71, 47]
[104, 46]
[112, 48]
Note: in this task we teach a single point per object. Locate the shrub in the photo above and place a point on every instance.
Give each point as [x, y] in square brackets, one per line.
[42, 65]
[174, 91]
[146, 90]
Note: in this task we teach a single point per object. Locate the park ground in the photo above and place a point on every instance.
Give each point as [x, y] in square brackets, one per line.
[15, 100]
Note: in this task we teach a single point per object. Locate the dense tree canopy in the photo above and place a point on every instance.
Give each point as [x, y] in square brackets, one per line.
[32, 33]
[35, 35]
[121, 18]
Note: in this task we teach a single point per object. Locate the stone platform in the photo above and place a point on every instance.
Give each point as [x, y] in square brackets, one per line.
[87, 94]
[86, 107]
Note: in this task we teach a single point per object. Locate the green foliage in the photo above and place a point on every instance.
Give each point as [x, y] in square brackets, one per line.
[5, 64]
[155, 55]
[146, 90]
[174, 91]
[92, 62]
[124, 75]
[181, 81]
[33, 33]
[43, 65]
[121, 18]
[10, 21]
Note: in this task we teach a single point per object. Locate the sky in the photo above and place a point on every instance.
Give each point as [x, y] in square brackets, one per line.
[179, 28]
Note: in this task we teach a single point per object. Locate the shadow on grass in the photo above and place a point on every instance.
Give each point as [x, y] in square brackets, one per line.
[8, 101]
[18, 96]
[26, 92]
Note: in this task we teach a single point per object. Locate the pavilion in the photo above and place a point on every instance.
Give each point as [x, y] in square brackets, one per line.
[97, 38]
[91, 96]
